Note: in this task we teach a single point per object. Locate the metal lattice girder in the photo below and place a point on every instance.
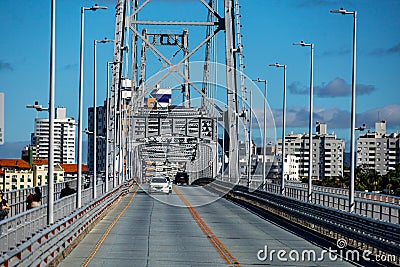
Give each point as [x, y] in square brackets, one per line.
[200, 123]
[217, 23]
[183, 23]
[232, 122]
[113, 121]
[172, 135]
[189, 122]
[166, 39]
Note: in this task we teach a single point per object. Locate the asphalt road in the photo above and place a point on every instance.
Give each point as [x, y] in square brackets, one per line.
[190, 227]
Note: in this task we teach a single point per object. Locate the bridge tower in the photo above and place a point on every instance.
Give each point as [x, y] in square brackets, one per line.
[145, 122]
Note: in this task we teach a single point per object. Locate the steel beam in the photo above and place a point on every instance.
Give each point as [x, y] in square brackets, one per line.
[232, 123]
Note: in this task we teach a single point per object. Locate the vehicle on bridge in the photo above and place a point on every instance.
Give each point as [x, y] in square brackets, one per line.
[159, 184]
[169, 182]
[182, 178]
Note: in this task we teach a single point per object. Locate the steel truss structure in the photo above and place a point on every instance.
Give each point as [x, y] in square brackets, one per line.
[139, 133]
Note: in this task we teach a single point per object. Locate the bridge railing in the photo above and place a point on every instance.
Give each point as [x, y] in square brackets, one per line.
[21, 227]
[362, 232]
[17, 198]
[29, 222]
[24, 232]
[345, 192]
[380, 208]
[370, 208]
[257, 181]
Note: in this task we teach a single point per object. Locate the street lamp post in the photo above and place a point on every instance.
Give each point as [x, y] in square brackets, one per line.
[105, 40]
[50, 182]
[79, 178]
[353, 108]
[107, 121]
[265, 131]
[50, 166]
[310, 121]
[50, 109]
[50, 175]
[250, 145]
[283, 123]
[94, 122]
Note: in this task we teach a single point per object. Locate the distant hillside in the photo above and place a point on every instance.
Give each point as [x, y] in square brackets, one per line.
[12, 150]
[347, 158]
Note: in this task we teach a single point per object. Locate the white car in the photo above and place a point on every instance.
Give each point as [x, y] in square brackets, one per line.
[159, 184]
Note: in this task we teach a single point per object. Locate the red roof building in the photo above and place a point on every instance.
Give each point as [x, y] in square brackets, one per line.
[14, 164]
[73, 168]
[15, 174]
[39, 161]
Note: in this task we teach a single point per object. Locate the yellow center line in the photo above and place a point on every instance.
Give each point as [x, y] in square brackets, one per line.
[222, 250]
[104, 236]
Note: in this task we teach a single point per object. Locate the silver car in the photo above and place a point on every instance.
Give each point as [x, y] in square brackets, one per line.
[159, 184]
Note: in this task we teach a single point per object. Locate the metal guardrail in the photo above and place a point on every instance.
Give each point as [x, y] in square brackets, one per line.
[257, 181]
[380, 235]
[17, 198]
[345, 192]
[26, 238]
[384, 209]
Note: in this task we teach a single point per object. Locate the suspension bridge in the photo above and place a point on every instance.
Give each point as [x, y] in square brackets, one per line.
[169, 113]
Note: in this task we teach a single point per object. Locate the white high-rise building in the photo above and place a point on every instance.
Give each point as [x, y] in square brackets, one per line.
[291, 167]
[64, 138]
[328, 153]
[378, 150]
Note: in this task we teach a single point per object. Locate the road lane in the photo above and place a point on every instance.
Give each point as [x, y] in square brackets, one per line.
[149, 233]
[159, 230]
[219, 246]
[244, 233]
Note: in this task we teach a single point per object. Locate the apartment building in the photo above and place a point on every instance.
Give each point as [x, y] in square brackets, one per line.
[101, 134]
[378, 150]
[40, 174]
[64, 138]
[328, 153]
[291, 167]
[15, 174]
[18, 173]
[101, 128]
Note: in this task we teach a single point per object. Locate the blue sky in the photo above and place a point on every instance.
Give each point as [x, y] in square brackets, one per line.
[269, 29]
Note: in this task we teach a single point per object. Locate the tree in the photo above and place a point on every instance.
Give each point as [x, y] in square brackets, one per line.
[344, 181]
[391, 181]
[367, 179]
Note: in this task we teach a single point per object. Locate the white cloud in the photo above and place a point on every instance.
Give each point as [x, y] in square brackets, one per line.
[338, 87]
[389, 113]
[389, 51]
[335, 88]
